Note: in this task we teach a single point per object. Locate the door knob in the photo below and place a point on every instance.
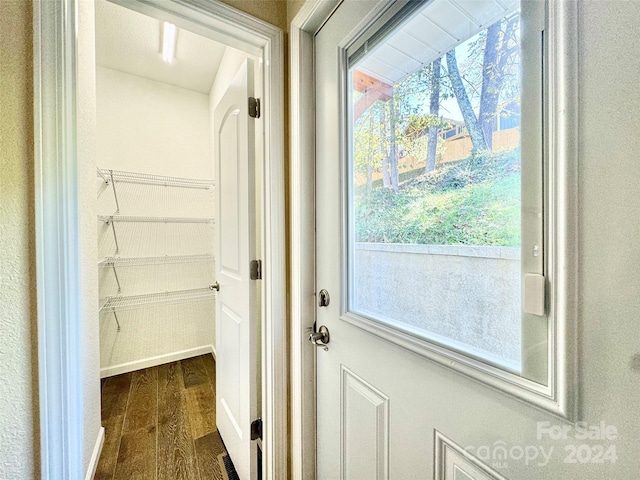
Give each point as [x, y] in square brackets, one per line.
[215, 286]
[320, 338]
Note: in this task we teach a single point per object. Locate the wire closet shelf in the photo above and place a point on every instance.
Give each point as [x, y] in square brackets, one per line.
[148, 179]
[165, 241]
[148, 219]
[162, 260]
[122, 303]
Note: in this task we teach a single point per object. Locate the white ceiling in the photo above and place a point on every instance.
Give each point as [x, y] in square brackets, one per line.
[432, 32]
[129, 41]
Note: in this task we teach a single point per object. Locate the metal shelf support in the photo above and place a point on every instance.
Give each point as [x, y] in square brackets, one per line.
[115, 193]
[115, 315]
[115, 274]
[109, 221]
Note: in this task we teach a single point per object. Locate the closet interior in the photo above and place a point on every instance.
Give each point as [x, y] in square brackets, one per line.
[156, 272]
[155, 213]
[155, 189]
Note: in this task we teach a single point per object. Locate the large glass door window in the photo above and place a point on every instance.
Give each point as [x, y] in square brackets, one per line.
[445, 225]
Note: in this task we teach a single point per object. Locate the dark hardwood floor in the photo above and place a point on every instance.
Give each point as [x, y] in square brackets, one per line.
[160, 424]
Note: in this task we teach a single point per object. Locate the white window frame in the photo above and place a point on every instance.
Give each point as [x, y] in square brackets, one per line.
[559, 396]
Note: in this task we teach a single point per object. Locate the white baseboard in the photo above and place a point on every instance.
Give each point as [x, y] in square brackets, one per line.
[157, 360]
[95, 456]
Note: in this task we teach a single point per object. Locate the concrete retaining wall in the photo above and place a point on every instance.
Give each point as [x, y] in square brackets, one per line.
[469, 294]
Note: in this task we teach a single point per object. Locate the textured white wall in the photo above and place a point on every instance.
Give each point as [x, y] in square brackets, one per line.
[88, 243]
[19, 451]
[152, 127]
[609, 202]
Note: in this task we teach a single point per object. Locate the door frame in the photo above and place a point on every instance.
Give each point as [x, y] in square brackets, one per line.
[302, 29]
[58, 255]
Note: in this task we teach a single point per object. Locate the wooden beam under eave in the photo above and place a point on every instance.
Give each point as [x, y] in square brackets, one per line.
[366, 84]
[372, 90]
[365, 102]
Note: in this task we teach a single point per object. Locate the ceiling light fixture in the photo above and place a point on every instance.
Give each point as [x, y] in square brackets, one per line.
[168, 41]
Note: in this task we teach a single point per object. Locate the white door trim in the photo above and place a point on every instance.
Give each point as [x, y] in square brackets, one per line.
[302, 146]
[57, 252]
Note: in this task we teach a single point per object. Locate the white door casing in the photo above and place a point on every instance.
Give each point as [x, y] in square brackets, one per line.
[55, 36]
[385, 412]
[302, 214]
[236, 318]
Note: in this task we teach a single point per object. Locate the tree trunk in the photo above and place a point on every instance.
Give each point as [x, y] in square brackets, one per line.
[492, 80]
[434, 110]
[496, 54]
[384, 163]
[386, 178]
[470, 119]
[393, 150]
[370, 156]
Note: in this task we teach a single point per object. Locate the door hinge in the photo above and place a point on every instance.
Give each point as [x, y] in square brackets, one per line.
[256, 429]
[254, 107]
[255, 270]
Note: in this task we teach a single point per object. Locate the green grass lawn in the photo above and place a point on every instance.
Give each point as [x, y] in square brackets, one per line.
[473, 202]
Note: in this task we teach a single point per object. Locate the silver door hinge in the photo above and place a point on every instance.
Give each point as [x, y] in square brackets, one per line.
[256, 429]
[255, 270]
[254, 107]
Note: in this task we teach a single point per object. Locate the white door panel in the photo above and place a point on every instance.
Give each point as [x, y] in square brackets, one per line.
[365, 426]
[236, 339]
[383, 411]
[454, 463]
[229, 191]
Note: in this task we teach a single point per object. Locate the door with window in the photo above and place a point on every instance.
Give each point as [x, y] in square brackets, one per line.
[440, 247]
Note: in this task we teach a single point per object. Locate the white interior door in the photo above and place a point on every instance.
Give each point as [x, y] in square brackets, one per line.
[236, 320]
[438, 393]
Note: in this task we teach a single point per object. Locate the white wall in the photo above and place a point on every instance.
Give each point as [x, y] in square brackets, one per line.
[19, 442]
[609, 226]
[19, 415]
[151, 127]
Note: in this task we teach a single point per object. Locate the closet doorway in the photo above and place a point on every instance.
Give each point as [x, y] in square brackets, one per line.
[170, 240]
[177, 231]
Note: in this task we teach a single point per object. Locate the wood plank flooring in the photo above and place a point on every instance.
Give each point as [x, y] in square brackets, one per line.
[160, 424]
